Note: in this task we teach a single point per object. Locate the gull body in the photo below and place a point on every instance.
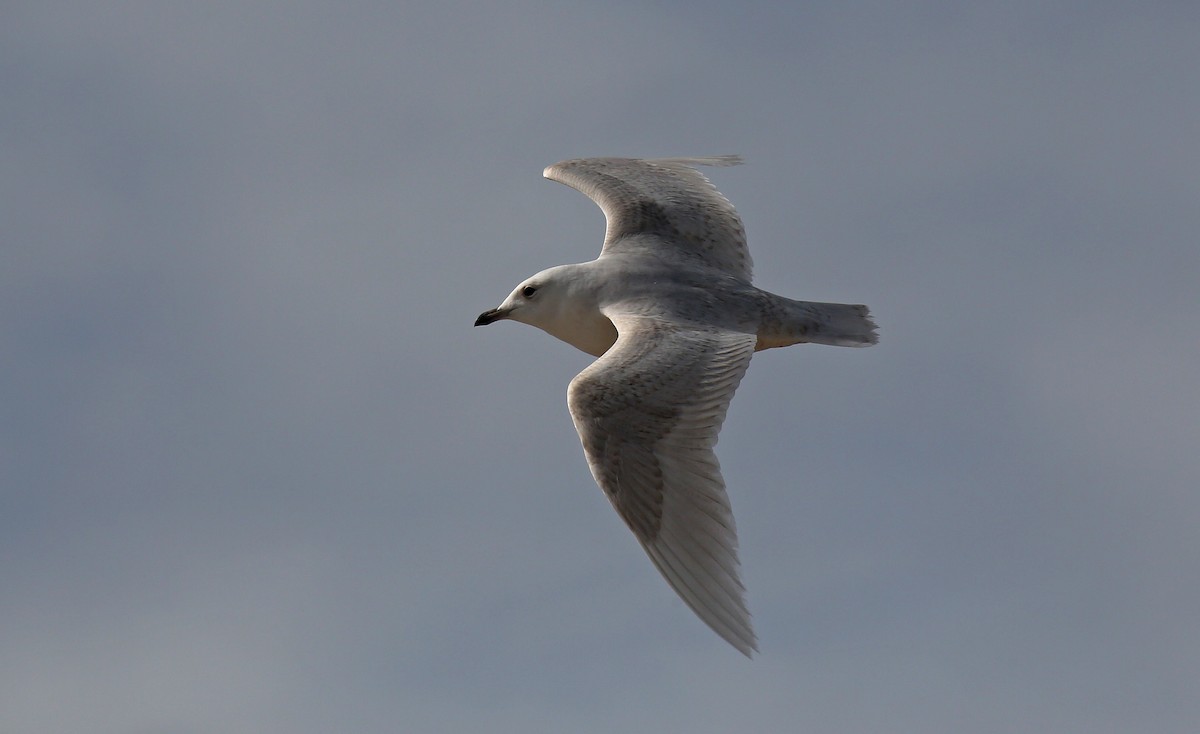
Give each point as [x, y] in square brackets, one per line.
[670, 313]
[568, 302]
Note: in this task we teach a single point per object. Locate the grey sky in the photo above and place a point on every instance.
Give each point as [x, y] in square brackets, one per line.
[259, 474]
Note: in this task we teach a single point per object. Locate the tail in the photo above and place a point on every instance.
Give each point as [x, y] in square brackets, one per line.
[840, 325]
[836, 324]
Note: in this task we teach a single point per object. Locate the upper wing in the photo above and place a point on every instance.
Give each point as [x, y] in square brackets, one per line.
[666, 197]
[648, 413]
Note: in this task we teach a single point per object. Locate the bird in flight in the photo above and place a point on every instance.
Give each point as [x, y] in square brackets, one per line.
[669, 312]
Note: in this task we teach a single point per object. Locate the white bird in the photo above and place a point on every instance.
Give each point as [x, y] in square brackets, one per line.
[670, 313]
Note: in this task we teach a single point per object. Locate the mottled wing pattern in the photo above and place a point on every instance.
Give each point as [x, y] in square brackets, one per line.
[665, 197]
[648, 413]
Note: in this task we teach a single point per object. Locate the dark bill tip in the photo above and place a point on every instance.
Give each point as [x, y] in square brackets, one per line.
[488, 317]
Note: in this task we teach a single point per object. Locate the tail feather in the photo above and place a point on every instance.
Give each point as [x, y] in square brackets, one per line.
[836, 324]
[842, 325]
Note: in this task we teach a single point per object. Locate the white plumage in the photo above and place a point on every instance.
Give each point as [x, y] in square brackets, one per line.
[669, 310]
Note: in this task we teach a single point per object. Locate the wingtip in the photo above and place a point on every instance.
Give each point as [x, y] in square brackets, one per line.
[712, 160]
[726, 160]
[749, 647]
[724, 614]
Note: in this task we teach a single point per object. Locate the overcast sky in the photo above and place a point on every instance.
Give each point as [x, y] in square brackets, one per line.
[258, 473]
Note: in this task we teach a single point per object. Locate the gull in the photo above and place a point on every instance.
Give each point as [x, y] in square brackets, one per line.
[669, 312]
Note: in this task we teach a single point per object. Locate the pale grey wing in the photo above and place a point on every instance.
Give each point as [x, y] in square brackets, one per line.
[664, 197]
[648, 413]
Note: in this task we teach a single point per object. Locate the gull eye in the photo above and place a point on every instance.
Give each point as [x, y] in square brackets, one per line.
[528, 291]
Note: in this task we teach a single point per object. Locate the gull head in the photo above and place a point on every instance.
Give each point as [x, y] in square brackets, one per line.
[537, 300]
[563, 302]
